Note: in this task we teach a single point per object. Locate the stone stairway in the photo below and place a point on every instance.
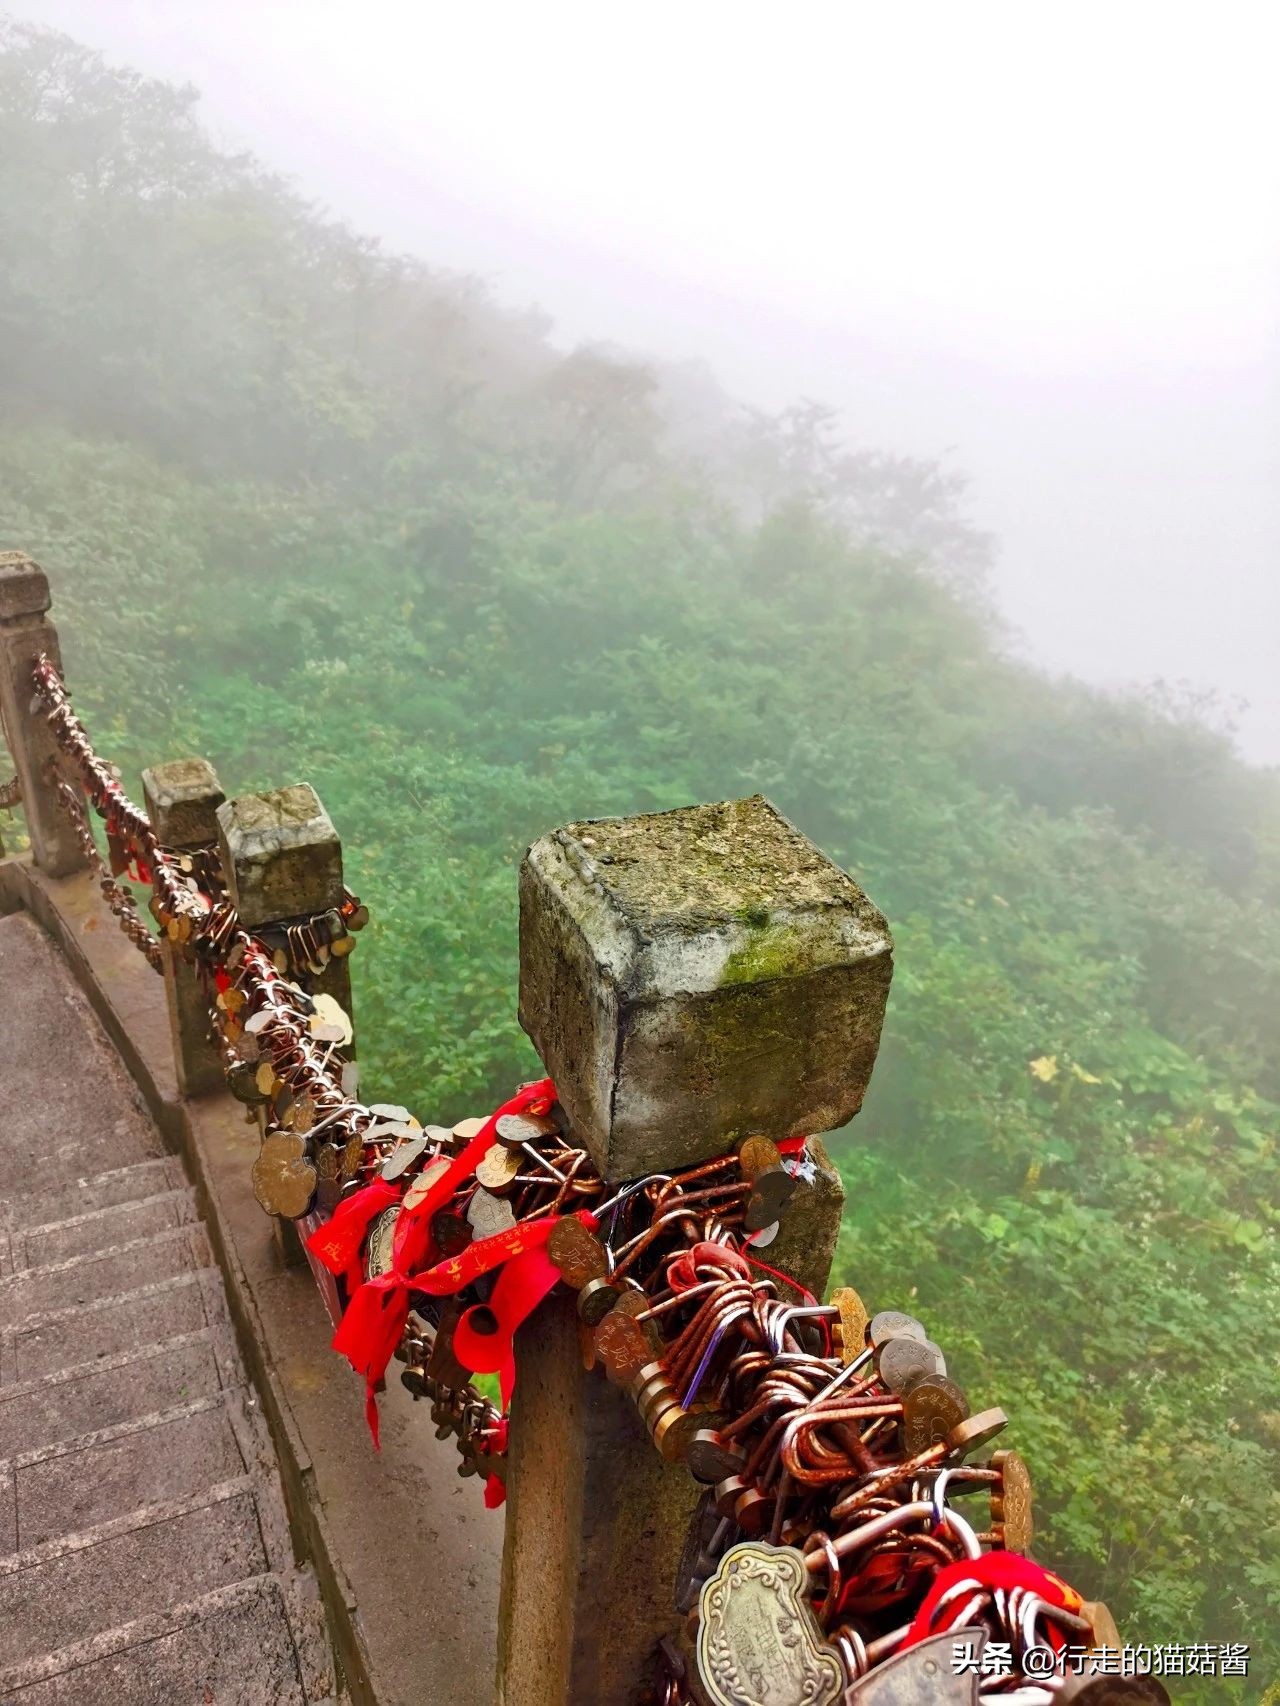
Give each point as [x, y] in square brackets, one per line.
[144, 1550]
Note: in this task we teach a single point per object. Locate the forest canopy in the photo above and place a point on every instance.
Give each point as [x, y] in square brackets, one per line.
[317, 511]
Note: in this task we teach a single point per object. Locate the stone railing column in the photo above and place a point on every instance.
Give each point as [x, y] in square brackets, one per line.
[282, 862]
[182, 800]
[25, 632]
[689, 979]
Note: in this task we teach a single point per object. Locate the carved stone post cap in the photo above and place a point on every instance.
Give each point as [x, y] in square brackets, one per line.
[693, 976]
[24, 586]
[280, 853]
[182, 799]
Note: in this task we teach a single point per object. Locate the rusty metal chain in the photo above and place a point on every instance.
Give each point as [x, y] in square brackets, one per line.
[118, 899]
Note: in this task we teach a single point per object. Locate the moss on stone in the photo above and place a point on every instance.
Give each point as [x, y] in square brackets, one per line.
[770, 951]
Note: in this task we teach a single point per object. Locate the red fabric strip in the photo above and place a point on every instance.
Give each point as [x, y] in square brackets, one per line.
[521, 1287]
[336, 1243]
[1005, 1570]
[374, 1320]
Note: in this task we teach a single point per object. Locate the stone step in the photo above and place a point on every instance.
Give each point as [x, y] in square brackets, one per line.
[84, 1482]
[35, 1203]
[233, 1646]
[66, 1337]
[102, 1273]
[81, 1585]
[112, 1389]
[39, 1164]
[102, 1228]
[69, 1101]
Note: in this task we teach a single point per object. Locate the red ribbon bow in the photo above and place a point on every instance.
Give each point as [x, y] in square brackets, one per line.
[374, 1320]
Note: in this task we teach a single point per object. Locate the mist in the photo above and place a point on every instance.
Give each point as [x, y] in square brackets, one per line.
[1041, 244]
[507, 419]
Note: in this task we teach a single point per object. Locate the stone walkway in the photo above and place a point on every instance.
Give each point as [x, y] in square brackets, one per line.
[144, 1552]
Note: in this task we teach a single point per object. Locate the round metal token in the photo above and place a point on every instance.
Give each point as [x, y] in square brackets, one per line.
[771, 1191]
[352, 1156]
[757, 1153]
[710, 1458]
[402, 1157]
[596, 1298]
[902, 1362]
[932, 1409]
[378, 1247]
[517, 1129]
[577, 1252]
[326, 1162]
[488, 1215]
[498, 1168]
[422, 1183]
[853, 1322]
[1102, 1624]
[675, 1431]
[893, 1324]
[1012, 1515]
[622, 1345]
[284, 1181]
[465, 1130]
[976, 1431]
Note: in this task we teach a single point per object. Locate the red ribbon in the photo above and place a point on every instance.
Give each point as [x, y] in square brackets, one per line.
[1005, 1570]
[336, 1244]
[375, 1317]
[521, 1287]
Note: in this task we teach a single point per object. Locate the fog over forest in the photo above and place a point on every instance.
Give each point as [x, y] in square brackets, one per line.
[1041, 242]
[429, 405]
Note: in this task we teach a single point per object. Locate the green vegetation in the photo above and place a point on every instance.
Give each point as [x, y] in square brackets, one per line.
[319, 512]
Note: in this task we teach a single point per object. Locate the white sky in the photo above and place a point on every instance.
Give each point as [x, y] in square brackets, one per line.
[1041, 238]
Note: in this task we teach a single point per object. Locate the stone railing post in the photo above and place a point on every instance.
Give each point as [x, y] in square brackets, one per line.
[25, 632]
[689, 979]
[282, 862]
[182, 800]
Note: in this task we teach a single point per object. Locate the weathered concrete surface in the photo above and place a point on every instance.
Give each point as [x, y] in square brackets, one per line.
[137, 1478]
[282, 860]
[26, 632]
[595, 1526]
[281, 855]
[710, 960]
[182, 800]
[406, 1555]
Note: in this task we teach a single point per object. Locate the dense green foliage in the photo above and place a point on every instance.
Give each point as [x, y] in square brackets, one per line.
[318, 512]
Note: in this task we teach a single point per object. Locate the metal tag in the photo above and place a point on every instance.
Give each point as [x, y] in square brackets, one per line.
[758, 1641]
[930, 1674]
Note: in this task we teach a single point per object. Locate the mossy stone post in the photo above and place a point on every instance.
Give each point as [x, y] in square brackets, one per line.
[282, 863]
[182, 800]
[689, 978]
[25, 632]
